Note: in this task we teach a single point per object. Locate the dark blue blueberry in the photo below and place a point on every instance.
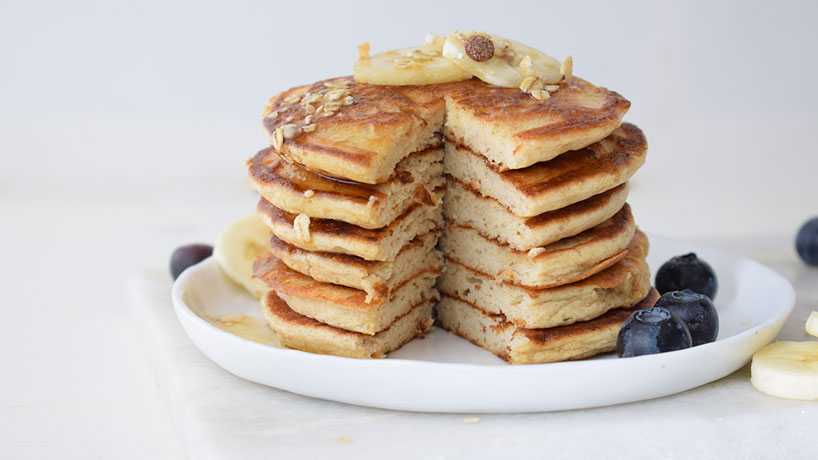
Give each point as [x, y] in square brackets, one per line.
[186, 256]
[696, 310]
[687, 272]
[806, 243]
[650, 331]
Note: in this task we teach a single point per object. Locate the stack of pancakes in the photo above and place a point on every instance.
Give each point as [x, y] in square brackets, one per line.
[542, 260]
[355, 208]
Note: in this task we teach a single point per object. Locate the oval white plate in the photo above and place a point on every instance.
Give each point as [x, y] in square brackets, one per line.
[444, 373]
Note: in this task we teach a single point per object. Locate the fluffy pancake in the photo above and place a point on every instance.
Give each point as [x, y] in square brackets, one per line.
[622, 285]
[563, 262]
[340, 237]
[464, 205]
[373, 127]
[303, 333]
[344, 307]
[376, 278]
[296, 190]
[361, 141]
[555, 184]
[531, 346]
[514, 130]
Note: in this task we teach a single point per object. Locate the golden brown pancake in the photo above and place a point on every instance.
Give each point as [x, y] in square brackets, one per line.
[376, 278]
[514, 130]
[362, 141]
[374, 127]
[464, 205]
[297, 190]
[566, 261]
[555, 184]
[341, 237]
[306, 334]
[621, 285]
[344, 307]
[532, 346]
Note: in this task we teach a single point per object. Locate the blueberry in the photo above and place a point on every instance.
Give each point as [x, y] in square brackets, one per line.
[806, 243]
[185, 256]
[687, 272]
[696, 310]
[654, 330]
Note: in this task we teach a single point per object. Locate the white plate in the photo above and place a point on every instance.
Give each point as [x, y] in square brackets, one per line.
[444, 373]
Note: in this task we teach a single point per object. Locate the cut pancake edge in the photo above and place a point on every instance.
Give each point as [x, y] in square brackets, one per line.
[306, 334]
[466, 206]
[515, 131]
[376, 278]
[565, 261]
[326, 235]
[518, 345]
[294, 189]
[286, 281]
[547, 186]
[622, 284]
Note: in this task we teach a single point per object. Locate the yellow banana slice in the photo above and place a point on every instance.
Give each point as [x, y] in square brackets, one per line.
[423, 65]
[512, 61]
[238, 246]
[787, 370]
[812, 324]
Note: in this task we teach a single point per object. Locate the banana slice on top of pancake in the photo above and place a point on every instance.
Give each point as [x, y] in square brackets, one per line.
[461, 55]
[422, 65]
[499, 61]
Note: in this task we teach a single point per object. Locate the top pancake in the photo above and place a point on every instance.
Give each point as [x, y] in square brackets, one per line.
[361, 141]
[513, 130]
[373, 127]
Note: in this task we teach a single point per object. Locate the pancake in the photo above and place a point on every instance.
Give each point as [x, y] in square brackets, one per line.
[566, 261]
[344, 307]
[368, 129]
[361, 141]
[514, 130]
[555, 184]
[296, 190]
[376, 278]
[464, 205]
[622, 285]
[340, 237]
[306, 334]
[531, 346]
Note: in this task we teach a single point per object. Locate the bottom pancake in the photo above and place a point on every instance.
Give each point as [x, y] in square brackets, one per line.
[532, 346]
[306, 334]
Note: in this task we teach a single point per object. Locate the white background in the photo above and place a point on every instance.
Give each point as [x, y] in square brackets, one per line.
[124, 125]
[160, 90]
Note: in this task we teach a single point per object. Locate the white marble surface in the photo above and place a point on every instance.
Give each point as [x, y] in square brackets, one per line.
[222, 417]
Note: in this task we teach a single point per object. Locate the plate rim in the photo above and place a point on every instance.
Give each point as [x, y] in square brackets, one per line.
[181, 308]
[781, 312]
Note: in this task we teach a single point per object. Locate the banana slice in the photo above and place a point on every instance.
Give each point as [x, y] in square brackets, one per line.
[238, 246]
[423, 65]
[812, 324]
[509, 66]
[787, 370]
